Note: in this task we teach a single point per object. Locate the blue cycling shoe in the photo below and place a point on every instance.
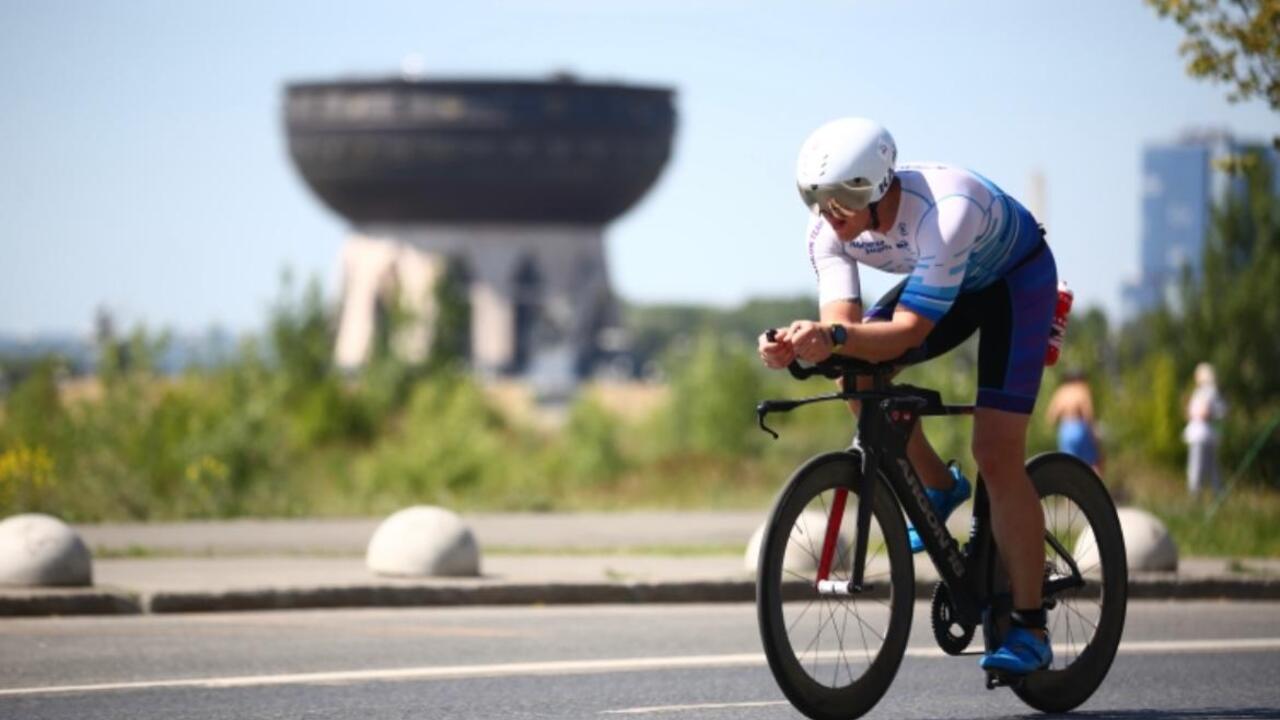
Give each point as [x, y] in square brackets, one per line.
[943, 501]
[1022, 652]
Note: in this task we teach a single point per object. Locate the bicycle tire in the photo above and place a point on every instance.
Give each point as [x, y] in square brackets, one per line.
[1080, 664]
[890, 571]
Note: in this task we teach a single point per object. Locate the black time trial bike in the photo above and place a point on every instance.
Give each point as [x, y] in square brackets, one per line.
[836, 587]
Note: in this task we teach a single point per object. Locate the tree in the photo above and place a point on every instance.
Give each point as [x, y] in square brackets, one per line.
[451, 342]
[1230, 318]
[1235, 42]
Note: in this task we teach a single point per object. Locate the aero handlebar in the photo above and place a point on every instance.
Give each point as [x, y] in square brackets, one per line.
[838, 366]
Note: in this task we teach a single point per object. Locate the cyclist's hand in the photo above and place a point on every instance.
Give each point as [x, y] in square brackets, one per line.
[810, 340]
[776, 353]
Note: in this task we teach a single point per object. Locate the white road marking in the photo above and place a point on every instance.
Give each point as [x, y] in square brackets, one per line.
[571, 667]
[703, 706]
[558, 667]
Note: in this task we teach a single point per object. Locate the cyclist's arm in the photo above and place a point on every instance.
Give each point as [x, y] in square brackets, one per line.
[839, 300]
[839, 294]
[878, 341]
[845, 312]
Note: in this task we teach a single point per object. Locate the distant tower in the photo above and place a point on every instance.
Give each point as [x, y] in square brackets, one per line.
[512, 181]
[1181, 184]
[1037, 197]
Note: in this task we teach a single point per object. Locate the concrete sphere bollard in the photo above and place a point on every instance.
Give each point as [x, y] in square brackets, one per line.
[39, 550]
[1148, 545]
[423, 541]
[805, 550]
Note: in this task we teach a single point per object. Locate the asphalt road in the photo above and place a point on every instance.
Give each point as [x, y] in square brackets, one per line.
[682, 662]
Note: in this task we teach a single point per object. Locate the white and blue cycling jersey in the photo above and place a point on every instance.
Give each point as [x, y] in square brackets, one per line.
[955, 232]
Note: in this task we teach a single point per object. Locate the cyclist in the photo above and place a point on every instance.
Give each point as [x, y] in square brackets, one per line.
[975, 260]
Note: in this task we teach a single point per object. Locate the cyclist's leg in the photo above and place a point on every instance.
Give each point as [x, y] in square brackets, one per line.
[999, 446]
[952, 329]
[1016, 315]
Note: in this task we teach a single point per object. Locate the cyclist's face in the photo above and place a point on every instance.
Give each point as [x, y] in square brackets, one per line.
[847, 223]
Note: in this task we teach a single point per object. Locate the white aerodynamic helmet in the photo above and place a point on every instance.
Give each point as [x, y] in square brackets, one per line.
[850, 160]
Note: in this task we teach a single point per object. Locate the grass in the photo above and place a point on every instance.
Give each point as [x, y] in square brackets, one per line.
[1246, 524]
[144, 552]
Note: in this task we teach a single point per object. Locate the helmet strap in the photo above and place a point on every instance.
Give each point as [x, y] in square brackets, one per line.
[875, 214]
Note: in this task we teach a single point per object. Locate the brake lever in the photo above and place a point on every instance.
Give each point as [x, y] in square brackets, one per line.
[768, 406]
[761, 411]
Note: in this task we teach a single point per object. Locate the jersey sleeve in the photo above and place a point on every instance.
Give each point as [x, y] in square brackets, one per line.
[947, 235]
[837, 272]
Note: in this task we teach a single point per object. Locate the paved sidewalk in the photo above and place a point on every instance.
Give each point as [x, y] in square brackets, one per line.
[527, 558]
[519, 531]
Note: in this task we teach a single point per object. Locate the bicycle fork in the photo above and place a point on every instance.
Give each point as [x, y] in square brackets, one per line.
[830, 540]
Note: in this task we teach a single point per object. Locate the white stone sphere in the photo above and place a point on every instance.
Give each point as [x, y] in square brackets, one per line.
[803, 554]
[423, 541]
[38, 550]
[1148, 545]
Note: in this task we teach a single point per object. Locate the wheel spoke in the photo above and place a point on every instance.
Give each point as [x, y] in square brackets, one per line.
[863, 623]
[803, 578]
[817, 636]
[835, 674]
[802, 523]
[862, 631]
[799, 617]
[1093, 627]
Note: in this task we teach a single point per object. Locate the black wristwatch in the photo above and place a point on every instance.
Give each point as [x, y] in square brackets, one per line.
[839, 334]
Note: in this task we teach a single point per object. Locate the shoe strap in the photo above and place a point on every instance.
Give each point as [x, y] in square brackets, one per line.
[1026, 643]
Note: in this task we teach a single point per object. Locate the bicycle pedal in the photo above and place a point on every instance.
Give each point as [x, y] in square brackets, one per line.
[997, 678]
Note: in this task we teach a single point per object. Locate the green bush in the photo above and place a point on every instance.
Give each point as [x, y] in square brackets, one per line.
[714, 387]
[447, 449]
[589, 450]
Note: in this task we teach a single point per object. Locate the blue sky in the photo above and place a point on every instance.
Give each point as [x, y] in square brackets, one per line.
[143, 167]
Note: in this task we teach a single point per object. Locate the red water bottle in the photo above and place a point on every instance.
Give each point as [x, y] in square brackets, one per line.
[1059, 328]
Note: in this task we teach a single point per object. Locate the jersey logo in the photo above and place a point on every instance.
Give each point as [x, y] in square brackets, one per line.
[869, 247]
[902, 229]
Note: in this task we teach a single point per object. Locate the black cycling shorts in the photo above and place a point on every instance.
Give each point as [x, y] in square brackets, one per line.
[1013, 315]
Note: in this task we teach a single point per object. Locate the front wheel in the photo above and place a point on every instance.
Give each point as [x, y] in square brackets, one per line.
[833, 655]
[1082, 539]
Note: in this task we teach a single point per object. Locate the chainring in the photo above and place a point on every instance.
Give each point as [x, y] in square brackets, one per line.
[952, 635]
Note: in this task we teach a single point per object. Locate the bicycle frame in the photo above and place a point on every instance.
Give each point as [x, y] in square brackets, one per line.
[888, 417]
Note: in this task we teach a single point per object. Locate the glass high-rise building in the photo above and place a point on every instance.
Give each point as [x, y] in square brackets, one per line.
[1180, 185]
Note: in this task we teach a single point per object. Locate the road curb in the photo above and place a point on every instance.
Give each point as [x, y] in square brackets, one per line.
[1208, 588]
[29, 602]
[52, 602]
[452, 594]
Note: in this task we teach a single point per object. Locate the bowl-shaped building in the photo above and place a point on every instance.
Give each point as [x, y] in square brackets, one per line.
[472, 151]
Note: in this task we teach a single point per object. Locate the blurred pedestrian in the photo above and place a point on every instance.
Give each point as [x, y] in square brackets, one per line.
[1205, 410]
[1071, 410]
